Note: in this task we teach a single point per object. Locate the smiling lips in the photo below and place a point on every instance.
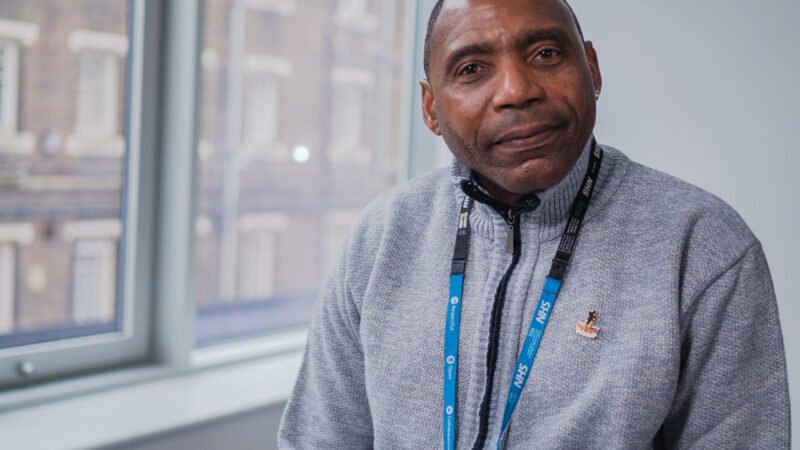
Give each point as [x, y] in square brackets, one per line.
[527, 137]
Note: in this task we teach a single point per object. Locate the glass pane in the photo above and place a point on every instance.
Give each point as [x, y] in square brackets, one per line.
[298, 132]
[62, 91]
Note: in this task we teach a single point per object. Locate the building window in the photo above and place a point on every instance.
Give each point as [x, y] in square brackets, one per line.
[97, 92]
[258, 269]
[258, 234]
[349, 88]
[261, 134]
[261, 117]
[94, 269]
[12, 236]
[6, 288]
[93, 281]
[355, 15]
[13, 35]
[99, 57]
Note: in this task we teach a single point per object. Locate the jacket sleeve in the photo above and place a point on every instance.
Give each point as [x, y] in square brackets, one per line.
[328, 408]
[733, 390]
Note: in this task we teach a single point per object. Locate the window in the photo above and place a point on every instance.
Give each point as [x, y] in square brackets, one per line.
[93, 283]
[14, 35]
[7, 274]
[302, 131]
[69, 221]
[12, 236]
[99, 91]
[349, 85]
[262, 108]
[94, 269]
[176, 196]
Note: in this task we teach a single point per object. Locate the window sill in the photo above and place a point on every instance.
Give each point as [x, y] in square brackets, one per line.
[275, 152]
[112, 146]
[361, 22]
[22, 143]
[132, 412]
[280, 7]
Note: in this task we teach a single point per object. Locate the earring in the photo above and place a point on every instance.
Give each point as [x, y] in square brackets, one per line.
[597, 94]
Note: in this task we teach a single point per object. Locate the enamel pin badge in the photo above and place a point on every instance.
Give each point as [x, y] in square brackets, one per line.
[587, 328]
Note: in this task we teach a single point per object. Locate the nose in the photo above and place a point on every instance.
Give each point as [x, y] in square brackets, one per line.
[517, 86]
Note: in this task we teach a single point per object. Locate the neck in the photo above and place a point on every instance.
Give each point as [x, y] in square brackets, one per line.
[505, 197]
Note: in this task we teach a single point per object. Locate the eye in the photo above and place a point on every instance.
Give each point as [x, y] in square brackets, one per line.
[469, 69]
[547, 55]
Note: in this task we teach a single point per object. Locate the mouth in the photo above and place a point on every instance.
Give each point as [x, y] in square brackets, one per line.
[527, 138]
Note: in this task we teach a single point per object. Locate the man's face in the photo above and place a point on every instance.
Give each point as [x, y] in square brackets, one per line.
[511, 91]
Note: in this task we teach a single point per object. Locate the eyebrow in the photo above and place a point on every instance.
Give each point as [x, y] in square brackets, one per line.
[531, 37]
[481, 48]
[521, 42]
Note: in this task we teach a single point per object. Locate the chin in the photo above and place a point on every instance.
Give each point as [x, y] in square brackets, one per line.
[533, 177]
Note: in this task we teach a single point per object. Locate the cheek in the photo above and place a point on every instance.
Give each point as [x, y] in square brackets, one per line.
[464, 112]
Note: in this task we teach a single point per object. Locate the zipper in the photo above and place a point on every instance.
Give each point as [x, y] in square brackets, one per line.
[510, 231]
[513, 246]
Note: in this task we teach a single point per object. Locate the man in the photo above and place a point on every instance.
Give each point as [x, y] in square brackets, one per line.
[645, 319]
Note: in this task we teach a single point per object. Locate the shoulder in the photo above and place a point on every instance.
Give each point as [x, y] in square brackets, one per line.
[703, 233]
[681, 204]
[407, 206]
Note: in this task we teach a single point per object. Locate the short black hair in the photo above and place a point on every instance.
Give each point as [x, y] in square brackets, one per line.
[437, 8]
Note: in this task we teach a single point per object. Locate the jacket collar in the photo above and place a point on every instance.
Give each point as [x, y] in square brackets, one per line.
[548, 219]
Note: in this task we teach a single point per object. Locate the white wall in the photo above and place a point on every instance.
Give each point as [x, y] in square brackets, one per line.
[709, 91]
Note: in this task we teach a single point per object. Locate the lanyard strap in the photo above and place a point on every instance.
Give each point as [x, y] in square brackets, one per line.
[457, 269]
[547, 299]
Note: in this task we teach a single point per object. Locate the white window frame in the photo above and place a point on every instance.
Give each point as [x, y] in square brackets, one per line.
[13, 36]
[59, 359]
[349, 83]
[269, 70]
[104, 138]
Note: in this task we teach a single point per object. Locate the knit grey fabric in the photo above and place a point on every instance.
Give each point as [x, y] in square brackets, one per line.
[689, 339]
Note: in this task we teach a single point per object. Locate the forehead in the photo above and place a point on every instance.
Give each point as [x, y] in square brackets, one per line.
[464, 22]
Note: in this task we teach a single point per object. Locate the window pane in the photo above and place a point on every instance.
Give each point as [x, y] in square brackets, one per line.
[62, 84]
[298, 133]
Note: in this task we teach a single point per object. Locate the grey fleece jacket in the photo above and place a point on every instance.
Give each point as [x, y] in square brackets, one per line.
[689, 352]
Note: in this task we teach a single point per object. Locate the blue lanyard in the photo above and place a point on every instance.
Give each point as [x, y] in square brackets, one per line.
[547, 299]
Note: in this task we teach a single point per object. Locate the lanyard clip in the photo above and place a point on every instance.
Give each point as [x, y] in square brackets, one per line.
[560, 264]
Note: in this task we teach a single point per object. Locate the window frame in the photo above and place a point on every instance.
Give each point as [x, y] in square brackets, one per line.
[14, 37]
[109, 49]
[59, 359]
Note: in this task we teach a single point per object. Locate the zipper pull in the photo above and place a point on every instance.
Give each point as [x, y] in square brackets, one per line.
[510, 232]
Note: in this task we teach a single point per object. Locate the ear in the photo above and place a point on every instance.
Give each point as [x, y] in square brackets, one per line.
[594, 66]
[429, 108]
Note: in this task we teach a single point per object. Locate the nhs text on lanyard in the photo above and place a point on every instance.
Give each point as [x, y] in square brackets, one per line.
[546, 301]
